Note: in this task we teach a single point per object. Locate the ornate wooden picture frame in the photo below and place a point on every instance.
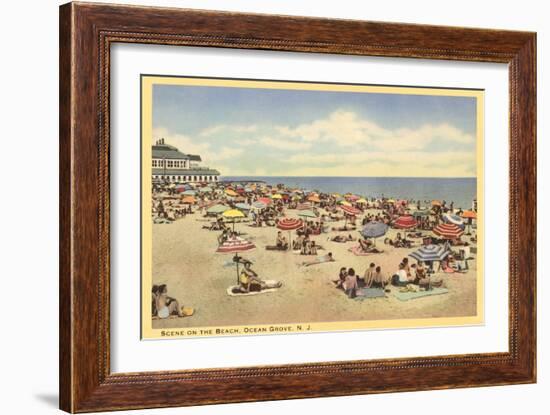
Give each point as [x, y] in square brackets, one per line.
[87, 32]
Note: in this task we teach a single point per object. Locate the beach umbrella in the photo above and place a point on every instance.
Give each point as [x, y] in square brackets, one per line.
[344, 202]
[307, 214]
[454, 219]
[189, 200]
[233, 214]
[374, 230]
[265, 200]
[448, 231]
[277, 196]
[430, 253]
[362, 201]
[436, 203]
[405, 222]
[314, 198]
[230, 192]
[392, 201]
[469, 214]
[217, 209]
[234, 246]
[259, 205]
[421, 213]
[349, 210]
[290, 224]
[353, 198]
[189, 192]
[243, 206]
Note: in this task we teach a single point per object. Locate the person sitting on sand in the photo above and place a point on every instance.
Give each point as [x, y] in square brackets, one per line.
[378, 279]
[365, 244]
[306, 245]
[319, 260]
[166, 306]
[341, 278]
[399, 279]
[249, 280]
[368, 278]
[313, 248]
[281, 242]
[350, 284]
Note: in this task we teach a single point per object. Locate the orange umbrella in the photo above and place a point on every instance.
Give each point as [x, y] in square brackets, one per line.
[189, 200]
[436, 203]
[469, 214]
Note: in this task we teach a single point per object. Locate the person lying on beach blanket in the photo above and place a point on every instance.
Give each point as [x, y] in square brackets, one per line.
[319, 260]
[249, 280]
[344, 228]
[342, 238]
[366, 246]
[398, 242]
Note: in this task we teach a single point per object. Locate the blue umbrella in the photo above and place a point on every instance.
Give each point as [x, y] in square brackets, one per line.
[454, 219]
[374, 230]
[430, 253]
[189, 193]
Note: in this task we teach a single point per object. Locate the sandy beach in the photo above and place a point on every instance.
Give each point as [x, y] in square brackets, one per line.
[185, 258]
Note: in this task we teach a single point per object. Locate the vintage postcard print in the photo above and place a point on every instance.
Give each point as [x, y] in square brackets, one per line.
[273, 207]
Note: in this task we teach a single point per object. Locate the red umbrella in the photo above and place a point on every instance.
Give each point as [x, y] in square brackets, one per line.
[234, 246]
[448, 231]
[289, 224]
[405, 222]
[350, 210]
[265, 200]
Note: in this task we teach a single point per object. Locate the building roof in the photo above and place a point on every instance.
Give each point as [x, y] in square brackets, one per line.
[166, 151]
[186, 172]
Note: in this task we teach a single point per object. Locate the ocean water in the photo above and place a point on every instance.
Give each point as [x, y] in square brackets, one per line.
[461, 191]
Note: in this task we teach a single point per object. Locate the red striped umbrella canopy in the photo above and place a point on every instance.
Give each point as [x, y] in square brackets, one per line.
[234, 245]
[448, 231]
[350, 210]
[290, 224]
[405, 222]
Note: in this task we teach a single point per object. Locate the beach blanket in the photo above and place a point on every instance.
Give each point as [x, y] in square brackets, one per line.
[413, 295]
[234, 291]
[363, 293]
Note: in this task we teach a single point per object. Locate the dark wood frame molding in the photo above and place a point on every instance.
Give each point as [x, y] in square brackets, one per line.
[86, 34]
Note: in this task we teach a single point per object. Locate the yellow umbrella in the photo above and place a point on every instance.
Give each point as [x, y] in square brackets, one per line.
[277, 196]
[344, 203]
[233, 214]
[314, 198]
[230, 192]
[362, 200]
[391, 201]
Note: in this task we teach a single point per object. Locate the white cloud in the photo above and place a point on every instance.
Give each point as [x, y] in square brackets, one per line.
[347, 129]
[284, 144]
[228, 128]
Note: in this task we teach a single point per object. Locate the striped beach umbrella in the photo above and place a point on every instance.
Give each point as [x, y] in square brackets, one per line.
[448, 231]
[234, 246]
[304, 206]
[405, 222]
[454, 219]
[350, 210]
[290, 224]
[430, 253]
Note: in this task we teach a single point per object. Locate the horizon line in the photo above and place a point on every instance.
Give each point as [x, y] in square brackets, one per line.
[363, 177]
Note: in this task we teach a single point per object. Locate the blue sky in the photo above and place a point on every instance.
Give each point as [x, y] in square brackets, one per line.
[267, 132]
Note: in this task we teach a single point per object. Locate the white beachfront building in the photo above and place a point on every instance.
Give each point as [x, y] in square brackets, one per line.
[171, 165]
